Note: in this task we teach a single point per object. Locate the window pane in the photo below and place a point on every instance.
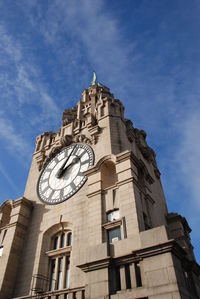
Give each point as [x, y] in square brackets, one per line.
[128, 277]
[52, 275]
[114, 235]
[67, 273]
[55, 243]
[118, 279]
[62, 243]
[69, 239]
[60, 272]
[138, 275]
[114, 215]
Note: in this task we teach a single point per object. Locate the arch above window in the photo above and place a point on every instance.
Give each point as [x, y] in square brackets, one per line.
[108, 174]
[61, 240]
[5, 212]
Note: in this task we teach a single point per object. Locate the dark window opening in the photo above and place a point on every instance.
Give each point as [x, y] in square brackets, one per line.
[127, 277]
[69, 239]
[55, 243]
[146, 222]
[118, 280]
[138, 275]
[52, 278]
[62, 241]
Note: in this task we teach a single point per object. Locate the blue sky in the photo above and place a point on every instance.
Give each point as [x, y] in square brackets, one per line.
[147, 52]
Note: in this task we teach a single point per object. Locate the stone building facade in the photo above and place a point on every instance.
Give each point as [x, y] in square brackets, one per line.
[93, 221]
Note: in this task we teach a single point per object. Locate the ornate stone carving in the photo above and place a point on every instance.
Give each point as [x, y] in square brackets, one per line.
[129, 130]
[41, 159]
[82, 138]
[69, 116]
[147, 152]
[44, 155]
[66, 140]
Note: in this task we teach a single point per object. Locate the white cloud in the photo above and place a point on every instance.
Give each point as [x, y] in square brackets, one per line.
[8, 178]
[84, 32]
[13, 50]
[13, 140]
[188, 157]
[22, 80]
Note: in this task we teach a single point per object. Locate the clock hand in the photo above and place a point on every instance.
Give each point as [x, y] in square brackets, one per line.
[74, 161]
[62, 169]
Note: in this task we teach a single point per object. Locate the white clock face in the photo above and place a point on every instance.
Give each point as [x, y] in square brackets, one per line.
[64, 175]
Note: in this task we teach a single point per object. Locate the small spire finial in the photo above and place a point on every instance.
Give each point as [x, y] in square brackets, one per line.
[94, 79]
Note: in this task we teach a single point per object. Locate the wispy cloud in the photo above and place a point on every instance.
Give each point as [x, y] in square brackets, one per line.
[14, 141]
[22, 84]
[8, 178]
[147, 54]
[188, 158]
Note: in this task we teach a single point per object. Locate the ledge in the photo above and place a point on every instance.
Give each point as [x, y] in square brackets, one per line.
[112, 224]
[96, 265]
[59, 251]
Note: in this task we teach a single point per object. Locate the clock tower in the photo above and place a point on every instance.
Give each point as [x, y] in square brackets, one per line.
[93, 222]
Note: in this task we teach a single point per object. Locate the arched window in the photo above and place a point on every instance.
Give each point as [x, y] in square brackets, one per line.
[62, 240]
[55, 242]
[59, 260]
[69, 239]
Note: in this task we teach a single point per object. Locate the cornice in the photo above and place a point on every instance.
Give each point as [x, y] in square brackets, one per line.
[95, 265]
[24, 201]
[140, 254]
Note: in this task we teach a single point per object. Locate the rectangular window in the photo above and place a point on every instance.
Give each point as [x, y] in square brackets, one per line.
[69, 239]
[55, 242]
[118, 280]
[52, 275]
[146, 224]
[67, 273]
[62, 241]
[60, 272]
[138, 275]
[112, 216]
[114, 235]
[127, 277]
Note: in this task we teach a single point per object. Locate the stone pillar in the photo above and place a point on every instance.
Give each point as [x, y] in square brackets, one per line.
[15, 236]
[122, 278]
[133, 277]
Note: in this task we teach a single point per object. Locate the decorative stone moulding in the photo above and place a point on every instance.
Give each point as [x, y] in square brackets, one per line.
[69, 116]
[140, 139]
[44, 155]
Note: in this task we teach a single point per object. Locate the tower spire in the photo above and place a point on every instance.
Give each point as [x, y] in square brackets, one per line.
[94, 79]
